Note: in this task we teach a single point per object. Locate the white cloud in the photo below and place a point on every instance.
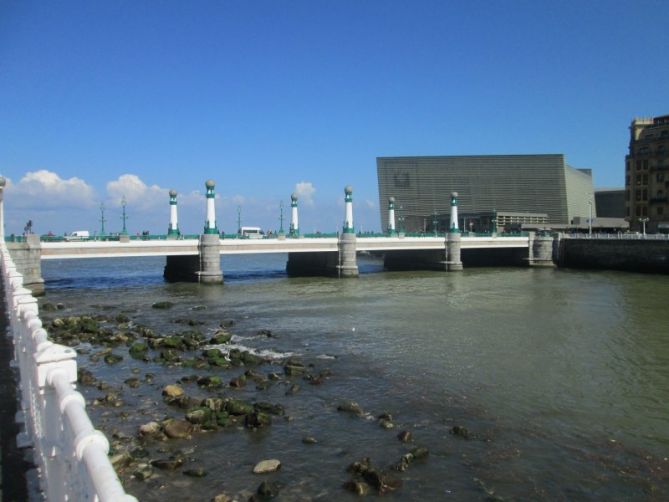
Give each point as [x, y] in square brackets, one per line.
[136, 192]
[44, 189]
[305, 192]
[370, 204]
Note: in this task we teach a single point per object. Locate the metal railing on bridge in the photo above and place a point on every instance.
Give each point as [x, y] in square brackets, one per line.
[71, 455]
[626, 236]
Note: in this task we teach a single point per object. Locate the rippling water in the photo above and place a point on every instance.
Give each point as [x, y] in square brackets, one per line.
[561, 377]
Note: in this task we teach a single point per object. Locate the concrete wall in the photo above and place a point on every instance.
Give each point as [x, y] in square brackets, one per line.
[27, 258]
[630, 255]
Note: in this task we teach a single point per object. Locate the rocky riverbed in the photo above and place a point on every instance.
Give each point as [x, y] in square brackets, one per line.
[162, 397]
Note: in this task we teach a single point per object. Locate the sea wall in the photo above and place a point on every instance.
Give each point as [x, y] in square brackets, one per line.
[635, 255]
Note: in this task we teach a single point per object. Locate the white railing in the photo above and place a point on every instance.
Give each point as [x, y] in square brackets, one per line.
[619, 236]
[71, 455]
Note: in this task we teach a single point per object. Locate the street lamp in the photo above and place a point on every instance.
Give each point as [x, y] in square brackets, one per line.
[643, 222]
[590, 219]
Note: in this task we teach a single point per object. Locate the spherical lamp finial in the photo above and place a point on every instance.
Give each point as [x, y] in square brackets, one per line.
[3, 182]
[348, 190]
[454, 194]
[173, 193]
[293, 196]
[391, 199]
[210, 183]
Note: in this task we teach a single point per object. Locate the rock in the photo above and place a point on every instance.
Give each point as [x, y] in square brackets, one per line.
[199, 415]
[309, 440]
[274, 376]
[222, 497]
[266, 466]
[386, 424]
[163, 305]
[197, 472]
[173, 342]
[220, 337]
[113, 358]
[227, 323]
[173, 391]
[199, 307]
[177, 429]
[238, 407]
[257, 420]
[420, 452]
[359, 488]
[293, 389]
[120, 460]
[294, 368]
[85, 377]
[272, 409]
[460, 431]
[138, 350]
[150, 429]
[142, 472]
[133, 382]
[268, 490]
[350, 407]
[265, 332]
[48, 307]
[213, 403]
[238, 382]
[405, 436]
[210, 382]
[168, 464]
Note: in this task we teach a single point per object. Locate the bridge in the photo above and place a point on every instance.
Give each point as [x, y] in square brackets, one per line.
[197, 257]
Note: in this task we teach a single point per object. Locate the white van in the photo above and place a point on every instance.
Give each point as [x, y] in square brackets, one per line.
[78, 235]
[251, 233]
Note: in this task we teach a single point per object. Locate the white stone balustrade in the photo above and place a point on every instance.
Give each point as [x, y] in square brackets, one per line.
[71, 455]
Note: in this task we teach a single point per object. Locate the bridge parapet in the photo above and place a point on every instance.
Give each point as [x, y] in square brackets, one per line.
[71, 455]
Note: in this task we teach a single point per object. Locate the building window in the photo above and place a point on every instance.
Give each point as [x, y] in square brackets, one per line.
[645, 179]
[637, 195]
[645, 194]
[638, 165]
[638, 180]
[660, 211]
[659, 177]
[645, 165]
[660, 193]
[627, 180]
[628, 165]
[644, 211]
[638, 210]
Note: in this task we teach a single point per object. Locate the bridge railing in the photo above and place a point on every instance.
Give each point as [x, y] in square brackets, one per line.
[625, 236]
[71, 455]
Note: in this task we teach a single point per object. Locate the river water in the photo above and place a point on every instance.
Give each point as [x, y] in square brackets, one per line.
[560, 377]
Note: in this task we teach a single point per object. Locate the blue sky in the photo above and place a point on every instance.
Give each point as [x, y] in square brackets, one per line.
[104, 99]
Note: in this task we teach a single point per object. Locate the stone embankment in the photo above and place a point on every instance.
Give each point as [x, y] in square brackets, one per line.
[629, 254]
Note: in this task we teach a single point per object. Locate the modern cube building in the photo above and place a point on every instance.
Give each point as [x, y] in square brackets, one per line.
[533, 187]
[647, 174]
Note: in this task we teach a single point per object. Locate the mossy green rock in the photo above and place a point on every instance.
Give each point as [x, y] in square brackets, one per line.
[238, 407]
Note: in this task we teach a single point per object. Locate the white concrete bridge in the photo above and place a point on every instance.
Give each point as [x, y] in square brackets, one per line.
[138, 248]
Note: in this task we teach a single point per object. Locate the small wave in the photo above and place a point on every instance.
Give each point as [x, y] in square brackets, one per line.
[326, 357]
[264, 353]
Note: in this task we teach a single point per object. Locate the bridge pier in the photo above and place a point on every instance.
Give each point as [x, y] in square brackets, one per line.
[540, 250]
[348, 264]
[453, 245]
[27, 257]
[205, 267]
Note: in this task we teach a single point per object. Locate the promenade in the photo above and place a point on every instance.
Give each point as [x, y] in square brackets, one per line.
[13, 467]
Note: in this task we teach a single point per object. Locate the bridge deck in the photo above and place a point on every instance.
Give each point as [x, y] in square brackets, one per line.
[107, 249]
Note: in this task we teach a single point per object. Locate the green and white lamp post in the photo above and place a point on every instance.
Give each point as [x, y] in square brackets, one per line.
[348, 202]
[453, 238]
[453, 227]
[294, 222]
[173, 230]
[210, 224]
[3, 182]
[391, 216]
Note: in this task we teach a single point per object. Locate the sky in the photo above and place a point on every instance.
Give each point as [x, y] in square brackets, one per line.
[101, 100]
